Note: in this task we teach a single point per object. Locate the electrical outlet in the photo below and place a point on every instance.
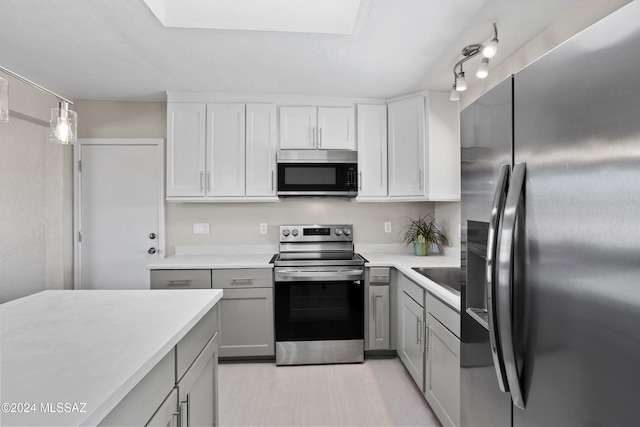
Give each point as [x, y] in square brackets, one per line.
[200, 228]
[263, 228]
[387, 227]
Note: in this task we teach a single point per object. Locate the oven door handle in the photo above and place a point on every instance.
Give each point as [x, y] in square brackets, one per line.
[307, 275]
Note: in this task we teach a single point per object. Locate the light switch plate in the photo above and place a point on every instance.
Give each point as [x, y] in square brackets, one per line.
[200, 228]
[387, 227]
[263, 228]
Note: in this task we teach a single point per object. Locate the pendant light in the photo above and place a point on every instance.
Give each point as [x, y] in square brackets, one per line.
[4, 100]
[63, 125]
[483, 69]
[455, 95]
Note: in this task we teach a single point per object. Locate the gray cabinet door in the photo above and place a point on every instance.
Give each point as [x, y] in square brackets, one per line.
[378, 318]
[410, 345]
[442, 372]
[180, 279]
[167, 414]
[197, 390]
[246, 323]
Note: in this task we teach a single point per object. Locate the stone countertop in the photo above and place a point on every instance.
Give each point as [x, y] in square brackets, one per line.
[88, 347]
[213, 261]
[404, 262]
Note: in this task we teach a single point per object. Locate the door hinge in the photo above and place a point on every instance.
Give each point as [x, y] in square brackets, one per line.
[79, 236]
[79, 165]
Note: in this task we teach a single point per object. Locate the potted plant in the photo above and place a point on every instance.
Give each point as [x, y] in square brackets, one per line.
[425, 235]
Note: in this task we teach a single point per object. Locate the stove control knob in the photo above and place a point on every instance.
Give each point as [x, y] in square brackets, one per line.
[285, 232]
[294, 232]
[338, 231]
[347, 231]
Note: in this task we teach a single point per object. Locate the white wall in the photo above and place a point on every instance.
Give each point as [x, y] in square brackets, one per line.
[36, 251]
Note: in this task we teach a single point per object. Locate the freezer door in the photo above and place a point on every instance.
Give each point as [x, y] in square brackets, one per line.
[486, 146]
[577, 265]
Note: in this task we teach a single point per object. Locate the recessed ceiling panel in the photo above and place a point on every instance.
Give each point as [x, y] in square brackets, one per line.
[306, 16]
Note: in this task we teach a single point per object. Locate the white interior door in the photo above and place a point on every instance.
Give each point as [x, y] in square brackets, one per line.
[118, 212]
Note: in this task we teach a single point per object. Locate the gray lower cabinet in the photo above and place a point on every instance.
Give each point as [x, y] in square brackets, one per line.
[442, 361]
[410, 345]
[180, 279]
[181, 390]
[377, 309]
[246, 312]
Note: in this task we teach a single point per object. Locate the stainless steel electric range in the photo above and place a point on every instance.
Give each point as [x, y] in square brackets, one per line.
[319, 296]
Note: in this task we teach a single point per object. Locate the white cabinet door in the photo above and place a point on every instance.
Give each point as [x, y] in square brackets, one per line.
[410, 346]
[407, 147]
[261, 150]
[186, 125]
[379, 317]
[298, 128]
[372, 151]
[444, 148]
[442, 375]
[225, 150]
[336, 128]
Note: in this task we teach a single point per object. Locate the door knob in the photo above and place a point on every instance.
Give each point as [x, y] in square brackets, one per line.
[152, 236]
[152, 251]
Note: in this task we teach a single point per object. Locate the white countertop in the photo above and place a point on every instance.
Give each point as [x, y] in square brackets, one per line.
[194, 257]
[404, 262]
[88, 347]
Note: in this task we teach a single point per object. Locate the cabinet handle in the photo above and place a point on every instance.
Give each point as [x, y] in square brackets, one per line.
[175, 419]
[201, 181]
[373, 306]
[360, 180]
[183, 412]
[313, 136]
[419, 331]
[208, 181]
[186, 282]
[420, 178]
[241, 280]
[427, 338]
[272, 180]
[319, 137]
[188, 409]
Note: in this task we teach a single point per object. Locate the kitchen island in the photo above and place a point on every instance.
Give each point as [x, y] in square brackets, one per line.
[113, 357]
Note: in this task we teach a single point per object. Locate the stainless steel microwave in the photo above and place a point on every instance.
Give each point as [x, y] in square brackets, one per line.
[317, 173]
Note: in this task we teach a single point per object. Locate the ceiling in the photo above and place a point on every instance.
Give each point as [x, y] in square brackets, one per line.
[117, 49]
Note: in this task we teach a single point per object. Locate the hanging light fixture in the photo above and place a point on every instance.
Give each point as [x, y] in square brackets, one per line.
[488, 51]
[63, 125]
[4, 100]
[64, 122]
[455, 96]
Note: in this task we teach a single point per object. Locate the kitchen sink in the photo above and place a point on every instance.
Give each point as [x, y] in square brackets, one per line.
[448, 278]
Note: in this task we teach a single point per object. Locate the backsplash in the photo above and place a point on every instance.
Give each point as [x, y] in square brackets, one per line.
[239, 223]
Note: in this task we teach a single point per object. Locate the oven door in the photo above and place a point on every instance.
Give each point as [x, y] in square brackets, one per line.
[325, 308]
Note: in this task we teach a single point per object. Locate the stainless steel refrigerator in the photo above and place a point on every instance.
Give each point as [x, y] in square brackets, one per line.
[550, 324]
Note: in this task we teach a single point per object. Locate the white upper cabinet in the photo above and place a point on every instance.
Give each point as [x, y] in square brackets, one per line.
[336, 128]
[444, 148]
[424, 148]
[225, 150]
[186, 149]
[372, 151]
[261, 150]
[313, 128]
[298, 128]
[221, 152]
[407, 147]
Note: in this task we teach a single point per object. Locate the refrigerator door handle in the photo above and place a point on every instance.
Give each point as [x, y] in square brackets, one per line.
[505, 282]
[497, 209]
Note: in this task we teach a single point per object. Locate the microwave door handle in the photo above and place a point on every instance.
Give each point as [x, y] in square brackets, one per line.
[506, 240]
[497, 209]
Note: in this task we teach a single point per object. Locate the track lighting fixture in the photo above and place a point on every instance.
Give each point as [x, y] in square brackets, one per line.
[64, 122]
[488, 51]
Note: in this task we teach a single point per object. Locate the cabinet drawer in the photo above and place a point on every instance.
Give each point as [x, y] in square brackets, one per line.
[180, 279]
[379, 275]
[445, 314]
[192, 344]
[413, 290]
[243, 278]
